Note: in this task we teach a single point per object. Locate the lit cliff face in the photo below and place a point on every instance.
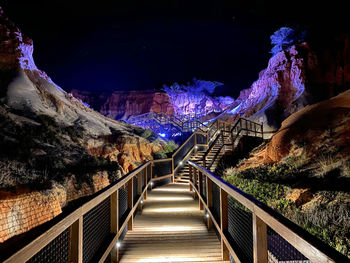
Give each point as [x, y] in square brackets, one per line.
[195, 99]
[276, 94]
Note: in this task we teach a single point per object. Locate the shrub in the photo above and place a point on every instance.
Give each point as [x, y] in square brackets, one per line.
[285, 37]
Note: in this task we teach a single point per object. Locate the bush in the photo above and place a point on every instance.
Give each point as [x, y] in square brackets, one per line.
[285, 37]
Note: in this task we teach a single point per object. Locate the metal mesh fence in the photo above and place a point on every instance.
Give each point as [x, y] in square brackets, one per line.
[179, 156]
[215, 209]
[162, 182]
[201, 139]
[56, 251]
[204, 188]
[134, 192]
[122, 205]
[240, 229]
[162, 168]
[149, 170]
[279, 250]
[108, 259]
[96, 230]
[142, 177]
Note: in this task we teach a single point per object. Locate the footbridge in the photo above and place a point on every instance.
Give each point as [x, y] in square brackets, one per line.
[174, 210]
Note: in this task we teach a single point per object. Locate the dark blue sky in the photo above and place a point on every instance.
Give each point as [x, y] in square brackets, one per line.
[146, 43]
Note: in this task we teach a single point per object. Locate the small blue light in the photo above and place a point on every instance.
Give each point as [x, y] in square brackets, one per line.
[162, 134]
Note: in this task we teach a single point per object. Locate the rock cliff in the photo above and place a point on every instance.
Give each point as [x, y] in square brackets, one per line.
[54, 148]
[299, 76]
[190, 99]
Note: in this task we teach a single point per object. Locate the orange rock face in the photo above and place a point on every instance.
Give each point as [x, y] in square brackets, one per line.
[300, 196]
[21, 212]
[324, 123]
[123, 104]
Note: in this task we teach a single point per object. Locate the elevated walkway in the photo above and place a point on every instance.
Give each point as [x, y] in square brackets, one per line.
[146, 217]
[170, 229]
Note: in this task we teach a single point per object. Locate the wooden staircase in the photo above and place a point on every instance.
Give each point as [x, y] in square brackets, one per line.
[171, 229]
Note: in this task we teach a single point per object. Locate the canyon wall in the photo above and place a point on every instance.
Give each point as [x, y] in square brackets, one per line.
[296, 77]
[54, 147]
[192, 99]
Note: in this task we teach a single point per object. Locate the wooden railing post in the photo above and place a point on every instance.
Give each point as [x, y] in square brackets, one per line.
[195, 178]
[115, 223]
[130, 202]
[139, 189]
[190, 176]
[76, 241]
[209, 188]
[145, 176]
[224, 223]
[200, 189]
[259, 240]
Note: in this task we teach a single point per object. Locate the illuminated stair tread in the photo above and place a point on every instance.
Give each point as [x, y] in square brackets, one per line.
[170, 229]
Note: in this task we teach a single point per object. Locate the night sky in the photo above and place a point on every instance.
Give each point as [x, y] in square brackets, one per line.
[143, 44]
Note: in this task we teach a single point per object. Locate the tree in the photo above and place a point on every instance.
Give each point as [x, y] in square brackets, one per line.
[285, 37]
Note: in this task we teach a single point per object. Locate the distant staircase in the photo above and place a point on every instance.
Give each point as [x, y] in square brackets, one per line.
[223, 140]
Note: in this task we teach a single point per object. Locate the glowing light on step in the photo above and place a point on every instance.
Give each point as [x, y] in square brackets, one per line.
[118, 244]
[141, 201]
[173, 228]
[207, 215]
[182, 258]
[170, 209]
[152, 183]
[175, 198]
[181, 163]
[196, 147]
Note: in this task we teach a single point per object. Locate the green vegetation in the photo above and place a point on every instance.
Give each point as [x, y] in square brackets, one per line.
[326, 216]
[168, 148]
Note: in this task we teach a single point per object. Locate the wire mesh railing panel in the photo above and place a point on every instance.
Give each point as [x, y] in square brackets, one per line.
[56, 251]
[149, 173]
[134, 191]
[142, 177]
[179, 156]
[215, 209]
[108, 259]
[204, 188]
[280, 250]
[240, 229]
[201, 139]
[162, 168]
[162, 182]
[122, 205]
[96, 229]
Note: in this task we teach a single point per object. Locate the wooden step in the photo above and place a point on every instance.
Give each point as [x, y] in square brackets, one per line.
[161, 234]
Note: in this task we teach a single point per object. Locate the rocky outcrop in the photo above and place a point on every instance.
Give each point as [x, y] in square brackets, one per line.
[294, 78]
[120, 105]
[320, 128]
[54, 148]
[182, 100]
[22, 211]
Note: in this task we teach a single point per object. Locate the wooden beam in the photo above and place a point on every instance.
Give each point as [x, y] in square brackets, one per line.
[209, 187]
[259, 240]
[130, 202]
[76, 241]
[224, 222]
[145, 176]
[115, 223]
[200, 189]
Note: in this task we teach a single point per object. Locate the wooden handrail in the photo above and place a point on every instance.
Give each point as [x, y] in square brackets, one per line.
[74, 219]
[41, 241]
[262, 216]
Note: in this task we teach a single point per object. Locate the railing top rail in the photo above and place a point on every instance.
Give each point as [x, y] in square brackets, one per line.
[303, 241]
[44, 238]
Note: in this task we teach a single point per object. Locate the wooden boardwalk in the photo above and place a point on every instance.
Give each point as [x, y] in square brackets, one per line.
[171, 228]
